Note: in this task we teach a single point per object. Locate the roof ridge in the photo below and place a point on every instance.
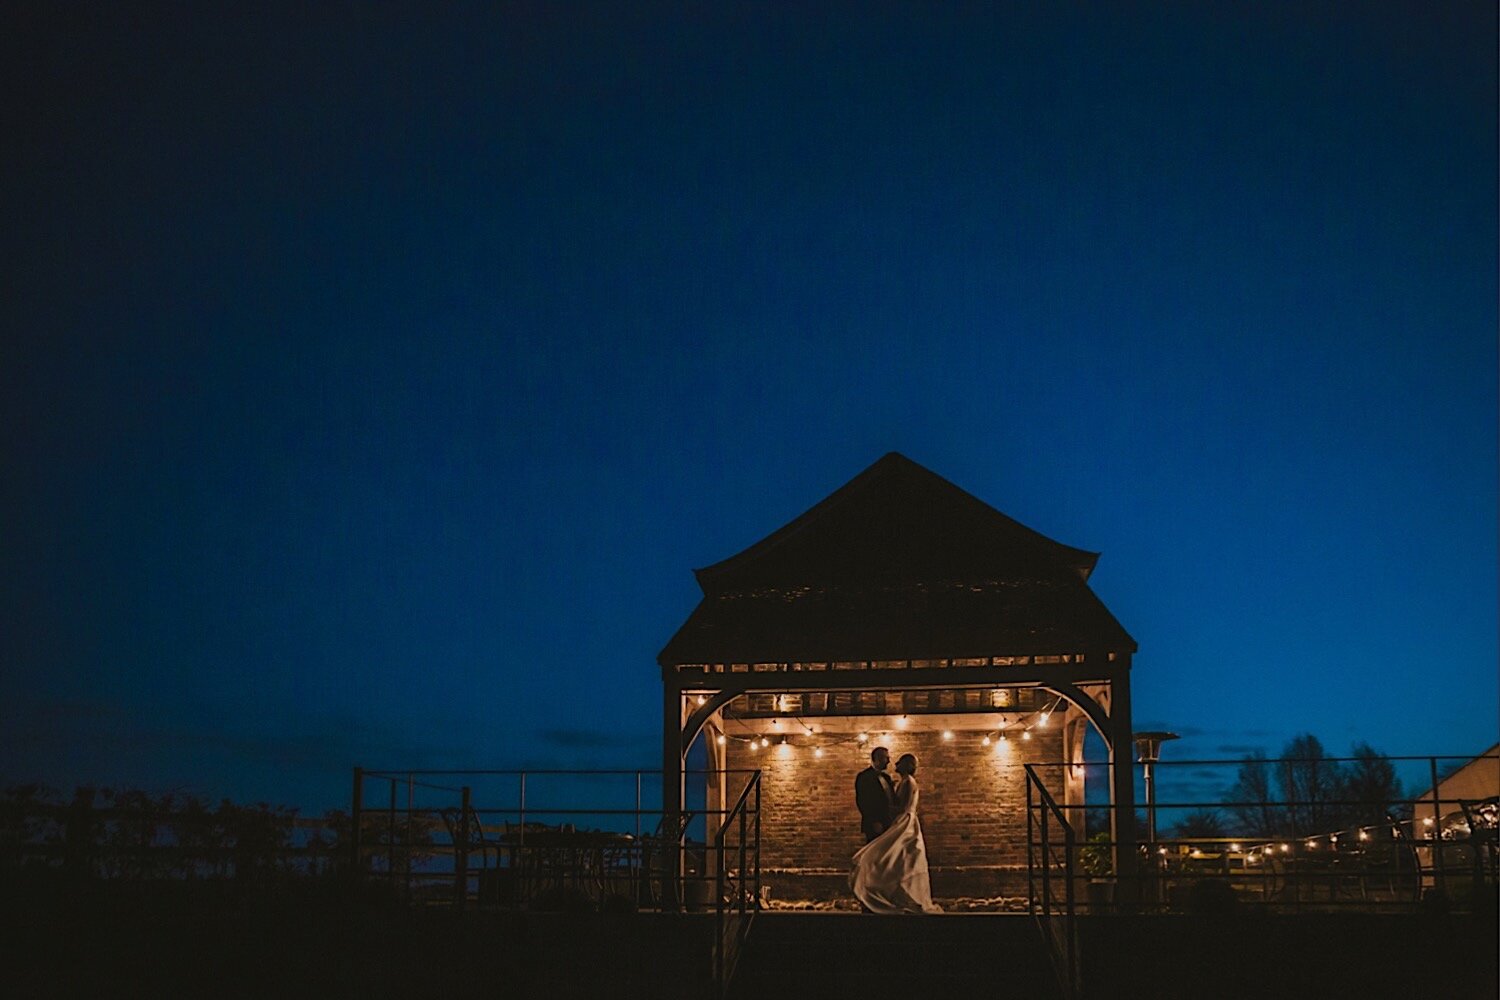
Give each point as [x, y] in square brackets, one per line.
[891, 464]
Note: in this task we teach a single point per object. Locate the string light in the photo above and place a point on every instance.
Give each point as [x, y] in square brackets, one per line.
[1042, 722]
[986, 740]
[701, 699]
[901, 722]
[864, 737]
[721, 741]
[818, 752]
[1026, 734]
[947, 734]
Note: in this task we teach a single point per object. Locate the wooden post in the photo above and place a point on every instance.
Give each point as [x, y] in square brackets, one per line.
[356, 817]
[461, 853]
[1122, 770]
[671, 788]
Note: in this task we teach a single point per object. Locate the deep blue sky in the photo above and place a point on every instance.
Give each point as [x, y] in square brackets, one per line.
[372, 378]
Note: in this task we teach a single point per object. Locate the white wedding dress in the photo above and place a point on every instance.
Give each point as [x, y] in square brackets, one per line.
[890, 872]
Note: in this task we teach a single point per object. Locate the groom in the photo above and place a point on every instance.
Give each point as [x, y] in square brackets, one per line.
[875, 795]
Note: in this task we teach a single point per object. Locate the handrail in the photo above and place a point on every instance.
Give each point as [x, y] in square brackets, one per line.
[734, 906]
[1062, 945]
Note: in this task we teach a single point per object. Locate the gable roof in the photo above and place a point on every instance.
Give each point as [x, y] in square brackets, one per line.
[898, 563]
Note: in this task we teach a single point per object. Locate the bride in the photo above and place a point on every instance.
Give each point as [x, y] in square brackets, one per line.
[890, 872]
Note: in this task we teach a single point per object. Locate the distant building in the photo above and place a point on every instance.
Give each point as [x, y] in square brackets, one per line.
[904, 612]
[1474, 782]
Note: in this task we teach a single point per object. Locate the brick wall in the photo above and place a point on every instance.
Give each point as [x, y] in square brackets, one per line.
[973, 806]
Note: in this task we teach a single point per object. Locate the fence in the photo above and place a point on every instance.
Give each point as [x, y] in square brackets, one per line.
[131, 835]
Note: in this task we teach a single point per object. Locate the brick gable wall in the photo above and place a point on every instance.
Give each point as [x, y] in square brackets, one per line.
[973, 806]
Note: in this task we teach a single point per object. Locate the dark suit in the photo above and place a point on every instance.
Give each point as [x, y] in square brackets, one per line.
[876, 798]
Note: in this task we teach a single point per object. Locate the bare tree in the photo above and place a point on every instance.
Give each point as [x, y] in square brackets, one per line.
[1369, 786]
[1200, 823]
[1254, 800]
[1310, 786]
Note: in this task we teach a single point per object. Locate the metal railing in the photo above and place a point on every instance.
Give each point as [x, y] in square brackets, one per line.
[1057, 920]
[737, 898]
[540, 839]
[1307, 840]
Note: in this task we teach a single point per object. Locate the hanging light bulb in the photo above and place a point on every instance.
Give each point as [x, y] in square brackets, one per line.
[818, 752]
[1042, 722]
[776, 723]
[1312, 845]
[901, 722]
[1025, 734]
[985, 741]
[947, 734]
[864, 737]
[701, 699]
[720, 739]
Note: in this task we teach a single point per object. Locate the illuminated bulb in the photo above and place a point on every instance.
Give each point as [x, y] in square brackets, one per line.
[1002, 738]
[1026, 734]
[1285, 848]
[1042, 722]
[986, 740]
[901, 722]
[701, 699]
[1234, 847]
[1161, 850]
[1363, 835]
[947, 734]
[1312, 845]
[776, 723]
[864, 737]
[721, 739]
[818, 752]
[765, 741]
[1427, 821]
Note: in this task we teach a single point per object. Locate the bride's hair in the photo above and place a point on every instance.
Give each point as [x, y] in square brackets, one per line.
[907, 764]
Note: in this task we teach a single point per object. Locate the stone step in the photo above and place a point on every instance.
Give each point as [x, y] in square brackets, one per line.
[861, 955]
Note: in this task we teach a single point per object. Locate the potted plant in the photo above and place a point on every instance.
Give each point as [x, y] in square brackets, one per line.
[1097, 860]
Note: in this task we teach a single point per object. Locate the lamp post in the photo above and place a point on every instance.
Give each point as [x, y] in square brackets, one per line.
[1148, 752]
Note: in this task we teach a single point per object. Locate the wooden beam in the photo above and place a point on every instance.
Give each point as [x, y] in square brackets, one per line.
[1046, 675]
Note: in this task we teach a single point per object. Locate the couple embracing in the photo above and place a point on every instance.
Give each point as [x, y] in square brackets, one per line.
[890, 871]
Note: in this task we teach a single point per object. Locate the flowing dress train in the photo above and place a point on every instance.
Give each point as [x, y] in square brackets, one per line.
[890, 872]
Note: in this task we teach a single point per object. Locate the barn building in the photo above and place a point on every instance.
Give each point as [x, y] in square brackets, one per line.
[899, 611]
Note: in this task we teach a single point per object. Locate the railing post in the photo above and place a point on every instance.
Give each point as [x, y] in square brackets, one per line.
[356, 818]
[1046, 868]
[757, 841]
[406, 860]
[1439, 877]
[461, 853]
[1030, 847]
[390, 836]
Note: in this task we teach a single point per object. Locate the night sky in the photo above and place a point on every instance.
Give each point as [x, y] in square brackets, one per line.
[373, 377]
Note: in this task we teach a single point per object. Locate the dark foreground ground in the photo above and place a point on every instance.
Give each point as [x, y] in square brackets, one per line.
[324, 940]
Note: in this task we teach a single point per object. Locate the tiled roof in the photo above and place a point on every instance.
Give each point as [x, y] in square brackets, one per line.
[897, 564]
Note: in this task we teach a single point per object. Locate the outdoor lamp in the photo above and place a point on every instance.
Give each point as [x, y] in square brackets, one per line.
[1148, 751]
